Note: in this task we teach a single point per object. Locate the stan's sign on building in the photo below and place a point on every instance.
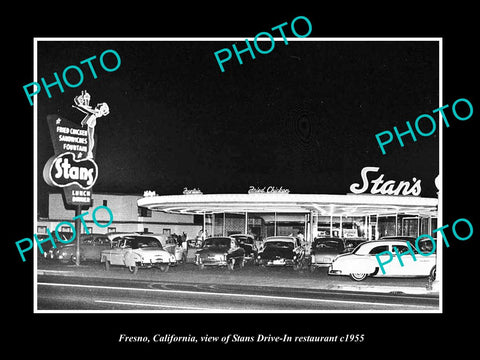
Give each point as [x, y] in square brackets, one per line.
[389, 187]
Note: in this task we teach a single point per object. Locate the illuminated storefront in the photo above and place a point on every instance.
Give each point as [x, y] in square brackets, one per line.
[266, 214]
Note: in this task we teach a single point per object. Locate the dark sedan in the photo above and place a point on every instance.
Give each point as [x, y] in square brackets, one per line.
[279, 251]
[220, 251]
[47, 246]
[91, 245]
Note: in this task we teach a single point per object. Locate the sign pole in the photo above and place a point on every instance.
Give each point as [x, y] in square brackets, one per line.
[78, 229]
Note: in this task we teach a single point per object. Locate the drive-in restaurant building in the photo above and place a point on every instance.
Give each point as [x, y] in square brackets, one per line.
[274, 211]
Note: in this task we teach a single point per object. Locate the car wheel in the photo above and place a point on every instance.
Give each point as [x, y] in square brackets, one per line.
[358, 276]
[133, 269]
[164, 267]
[107, 265]
[433, 273]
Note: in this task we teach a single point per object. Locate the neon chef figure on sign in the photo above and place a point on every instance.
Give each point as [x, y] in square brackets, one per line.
[82, 103]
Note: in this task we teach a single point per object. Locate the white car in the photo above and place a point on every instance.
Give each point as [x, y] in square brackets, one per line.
[137, 251]
[362, 261]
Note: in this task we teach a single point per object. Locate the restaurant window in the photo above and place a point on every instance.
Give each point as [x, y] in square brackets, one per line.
[386, 225]
[144, 212]
[410, 226]
[41, 229]
[66, 229]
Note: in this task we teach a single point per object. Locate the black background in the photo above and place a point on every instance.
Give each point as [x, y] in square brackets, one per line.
[385, 334]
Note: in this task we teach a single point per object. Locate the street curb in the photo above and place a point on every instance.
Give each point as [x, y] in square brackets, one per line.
[394, 290]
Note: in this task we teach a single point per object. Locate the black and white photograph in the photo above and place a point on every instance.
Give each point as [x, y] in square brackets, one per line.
[224, 193]
[271, 184]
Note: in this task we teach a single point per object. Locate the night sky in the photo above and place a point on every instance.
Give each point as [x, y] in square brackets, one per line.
[303, 116]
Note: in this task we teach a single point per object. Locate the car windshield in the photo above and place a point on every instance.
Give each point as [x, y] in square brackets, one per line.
[138, 242]
[328, 245]
[279, 244]
[218, 242]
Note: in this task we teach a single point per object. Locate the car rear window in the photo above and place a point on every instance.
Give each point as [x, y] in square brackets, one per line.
[143, 242]
[328, 246]
[279, 244]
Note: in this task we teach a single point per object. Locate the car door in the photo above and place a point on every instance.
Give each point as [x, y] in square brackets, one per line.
[418, 266]
[390, 261]
[377, 252]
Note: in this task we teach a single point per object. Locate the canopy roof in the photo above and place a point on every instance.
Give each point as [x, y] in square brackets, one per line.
[322, 204]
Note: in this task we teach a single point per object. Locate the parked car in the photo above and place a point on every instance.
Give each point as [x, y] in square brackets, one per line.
[324, 250]
[362, 262]
[220, 251]
[137, 251]
[280, 251]
[247, 242]
[91, 246]
[47, 246]
[169, 243]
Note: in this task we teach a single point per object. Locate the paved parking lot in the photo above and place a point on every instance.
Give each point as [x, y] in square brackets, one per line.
[249, 275]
